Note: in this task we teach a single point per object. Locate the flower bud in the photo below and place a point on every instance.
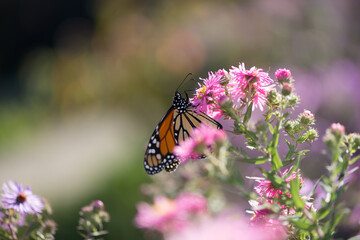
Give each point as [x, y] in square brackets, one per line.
[287, 89]
[306, 118]
[97, 205]
[293, 99]
[354, 142]
[49, 227]
[225, 78]
[283, 75]
[337, 128]
[225, 102]
[289, 127]
[334, 135]
[273, 98]
[312, 134]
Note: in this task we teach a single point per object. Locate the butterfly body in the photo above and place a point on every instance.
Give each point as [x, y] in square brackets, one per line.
[177, 124]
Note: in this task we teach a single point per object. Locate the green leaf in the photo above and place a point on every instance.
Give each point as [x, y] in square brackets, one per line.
[339, 217]
[291, 150]
[302, 224]
[275, 159]
[326, 187]
[352, 161]
[323, 212]
[294, 189]
[256, 160]
[301, 139]
[275, 139]
[302, 152]
[275, 179]
[244, 152]
[251, 136]
[271, 128]
[248, 113]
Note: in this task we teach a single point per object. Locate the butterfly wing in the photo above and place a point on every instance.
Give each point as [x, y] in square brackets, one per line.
[159, 151]
[185, 122]
[176, 125]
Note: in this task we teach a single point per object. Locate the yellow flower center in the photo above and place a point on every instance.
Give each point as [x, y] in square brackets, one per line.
[164, 206]
[201, 91]
[21, 198]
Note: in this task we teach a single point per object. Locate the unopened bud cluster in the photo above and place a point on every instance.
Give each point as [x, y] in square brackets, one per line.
[92, 218]
[300, 130]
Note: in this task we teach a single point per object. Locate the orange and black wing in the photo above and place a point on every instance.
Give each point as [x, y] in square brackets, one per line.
[159, 151]
[185, 122]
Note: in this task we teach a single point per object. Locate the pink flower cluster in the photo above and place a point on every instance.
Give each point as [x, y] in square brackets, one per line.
[268, 193]
[201, 138]
[266, 189]
[238, 83]
[253, 85]
[209, 93]
[229, 227]
[167, 215]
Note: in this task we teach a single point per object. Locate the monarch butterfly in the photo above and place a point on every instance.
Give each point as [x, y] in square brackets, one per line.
[177, 124]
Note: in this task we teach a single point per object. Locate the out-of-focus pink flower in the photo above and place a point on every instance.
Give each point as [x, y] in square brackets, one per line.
[201, 138]
[208, 94]
[228, 228]
[259, 214]
[262, 215]
[167, 215]
[337, 127]
[282, 74]
[192, 203]
[186, 150]
[266, 189]
[251, 84]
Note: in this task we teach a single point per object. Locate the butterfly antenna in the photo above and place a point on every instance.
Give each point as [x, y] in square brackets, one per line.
[183, 81]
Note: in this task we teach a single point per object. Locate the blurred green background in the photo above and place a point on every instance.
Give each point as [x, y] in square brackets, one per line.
[83, 84]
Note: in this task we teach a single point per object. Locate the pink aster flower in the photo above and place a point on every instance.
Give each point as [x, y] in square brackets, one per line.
[201, 138]
[260, 215]
[21, 199]
[283, 75]
[167, 215]
[253, 85]
[263, 215]
[208, 94]
[191, 203]
[266, 189]
[227, 227]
